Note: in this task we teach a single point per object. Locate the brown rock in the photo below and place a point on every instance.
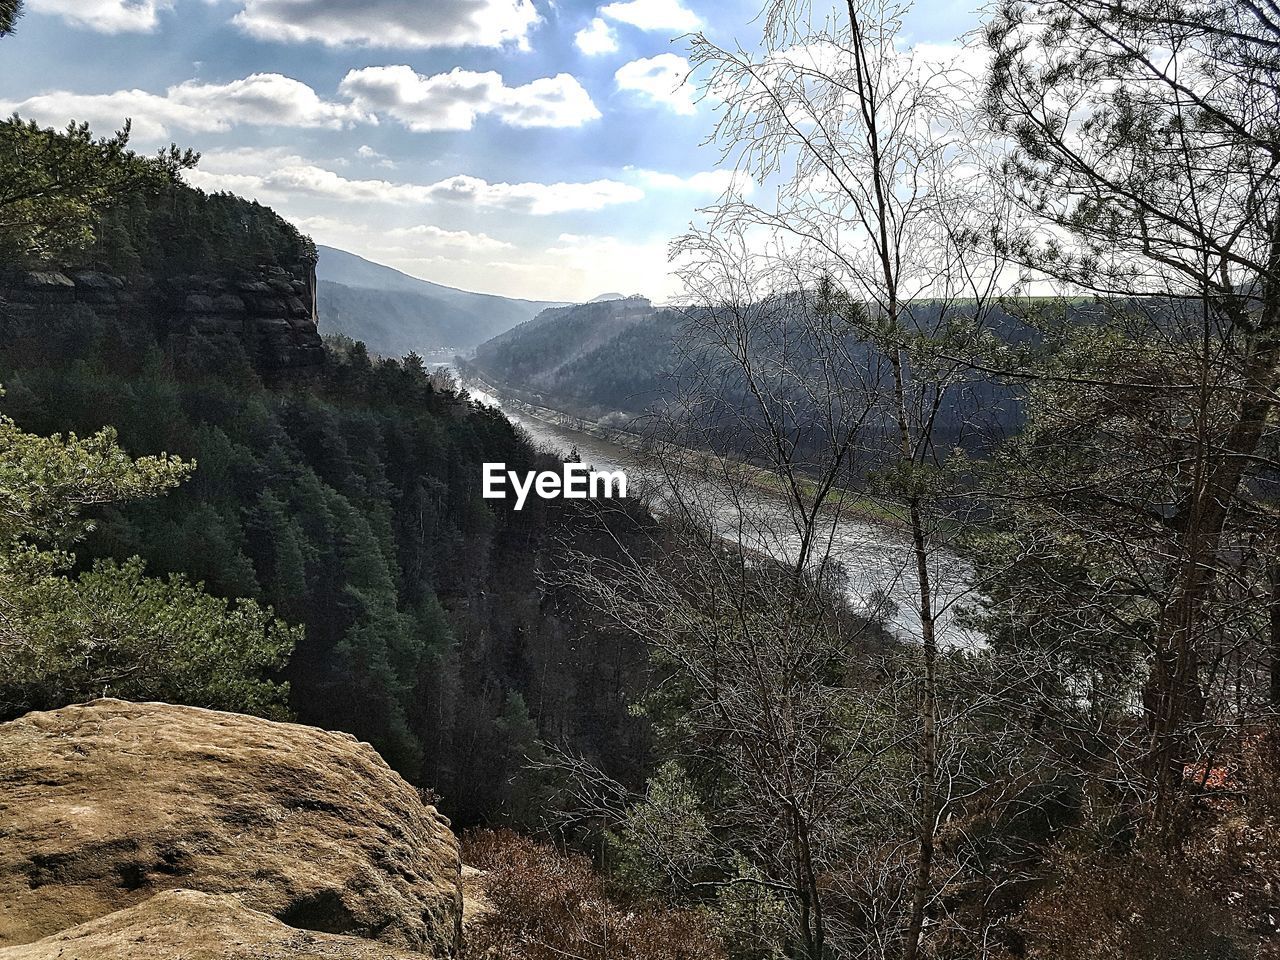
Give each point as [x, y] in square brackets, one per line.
[103, 805]
[195, 926]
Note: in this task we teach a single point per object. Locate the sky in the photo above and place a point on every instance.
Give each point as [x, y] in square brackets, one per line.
[544, 149]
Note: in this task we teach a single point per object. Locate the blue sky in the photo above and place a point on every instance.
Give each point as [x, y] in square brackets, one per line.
[523, 147]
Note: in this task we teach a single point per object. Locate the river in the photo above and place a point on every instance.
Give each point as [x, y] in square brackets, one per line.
[878, 560]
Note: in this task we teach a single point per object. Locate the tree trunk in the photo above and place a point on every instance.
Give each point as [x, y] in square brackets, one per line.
[929, 741]
[1173, 695]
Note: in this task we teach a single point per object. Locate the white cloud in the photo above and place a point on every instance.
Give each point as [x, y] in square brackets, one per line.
[453, 100]
[653, 14]
[391, 23]
[272, 173]
[366, 152]
[596, 38]
[452, 239]
[661, 79]
[593, 264]
[106, 16]
[537, 198]
[713, 182]
[261, 99]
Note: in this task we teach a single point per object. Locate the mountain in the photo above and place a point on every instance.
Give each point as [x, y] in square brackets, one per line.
[592, 358]
[607, 296]
[616, 359]
[394, 313]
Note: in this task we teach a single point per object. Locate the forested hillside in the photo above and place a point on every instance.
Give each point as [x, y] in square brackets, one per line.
[624, 359]
[394, 314]
[344, 496]
[988, 355]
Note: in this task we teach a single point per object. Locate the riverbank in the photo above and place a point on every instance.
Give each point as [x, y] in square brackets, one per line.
[838, 504]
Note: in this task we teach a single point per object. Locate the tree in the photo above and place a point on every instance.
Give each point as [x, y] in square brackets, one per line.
[10, 11]
[54, 187]
[819, 346]
[1144, 136]
[112, 630]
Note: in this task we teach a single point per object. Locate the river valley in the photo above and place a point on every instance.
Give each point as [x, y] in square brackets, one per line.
[877, 558]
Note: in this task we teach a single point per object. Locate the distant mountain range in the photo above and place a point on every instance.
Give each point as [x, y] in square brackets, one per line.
[394, 313]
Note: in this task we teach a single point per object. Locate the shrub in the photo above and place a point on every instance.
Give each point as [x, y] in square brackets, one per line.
[549, 905]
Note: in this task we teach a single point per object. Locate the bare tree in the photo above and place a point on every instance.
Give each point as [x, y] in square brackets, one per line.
[873, 225]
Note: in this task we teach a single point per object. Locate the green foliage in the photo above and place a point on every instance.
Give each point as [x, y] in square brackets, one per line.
[10, 11]
[179, 230]
[56, 186]
[47, 482]
[664, 840]
[351, 505]
[112, 630]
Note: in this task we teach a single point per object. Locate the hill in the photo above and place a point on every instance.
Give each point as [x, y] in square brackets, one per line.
[395, 314]
[621, 359]
[593, 358]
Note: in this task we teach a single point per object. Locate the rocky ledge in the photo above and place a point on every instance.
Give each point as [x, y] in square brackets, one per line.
[187, 925]
[272, 312]
[105, 806]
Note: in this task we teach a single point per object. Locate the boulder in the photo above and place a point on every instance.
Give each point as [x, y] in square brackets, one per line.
[43, 286]
[106, 804]
[195, 926]
[95, 287]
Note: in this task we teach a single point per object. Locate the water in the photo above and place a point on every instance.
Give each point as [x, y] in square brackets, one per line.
[878, 560]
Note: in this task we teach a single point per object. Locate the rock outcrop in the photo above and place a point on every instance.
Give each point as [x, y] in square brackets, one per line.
[187, 925]
[104, 805]
[272, 312]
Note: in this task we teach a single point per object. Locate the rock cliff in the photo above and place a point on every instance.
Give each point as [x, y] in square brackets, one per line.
[105, 805]
[272, 311]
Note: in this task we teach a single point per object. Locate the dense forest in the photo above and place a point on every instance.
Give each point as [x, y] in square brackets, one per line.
[346, 502]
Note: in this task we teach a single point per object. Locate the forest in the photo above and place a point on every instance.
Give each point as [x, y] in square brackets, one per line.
[1018, 324]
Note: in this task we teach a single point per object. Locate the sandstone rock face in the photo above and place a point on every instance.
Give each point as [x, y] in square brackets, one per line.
[106, 804]
[196, 926]
[250, 310]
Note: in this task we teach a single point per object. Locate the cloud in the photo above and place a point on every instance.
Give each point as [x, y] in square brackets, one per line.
[631, 267]
[596, 38]
[265, 99]
[452, 239]
[272, 173]
[453, 100]
[653, 15]
[537, 198]
[106, 16]
[713, 182]
[391, 23]
[661, 79]
[366, 152]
